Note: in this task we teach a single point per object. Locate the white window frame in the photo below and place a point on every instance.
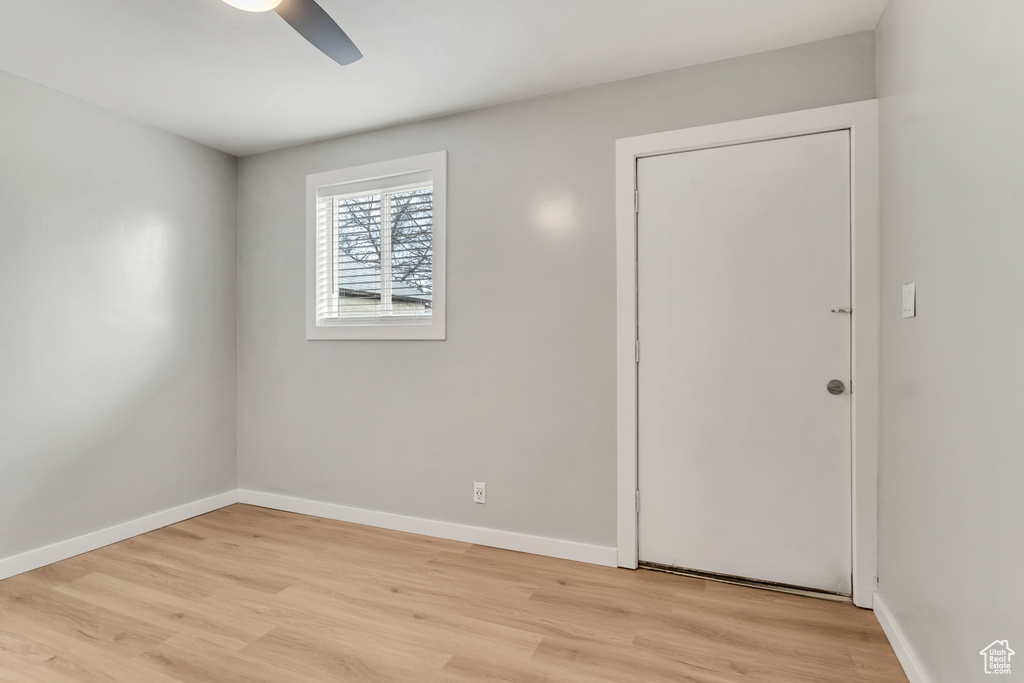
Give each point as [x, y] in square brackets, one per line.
[386, 175]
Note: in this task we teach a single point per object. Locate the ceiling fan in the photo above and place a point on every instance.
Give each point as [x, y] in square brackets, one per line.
[312, 23]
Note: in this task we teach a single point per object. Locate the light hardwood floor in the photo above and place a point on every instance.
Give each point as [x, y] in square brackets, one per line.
[246, 594]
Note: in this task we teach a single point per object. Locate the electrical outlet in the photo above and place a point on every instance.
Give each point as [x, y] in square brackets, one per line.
[479, 492]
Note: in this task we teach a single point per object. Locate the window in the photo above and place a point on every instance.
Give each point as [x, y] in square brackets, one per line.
[375, 251]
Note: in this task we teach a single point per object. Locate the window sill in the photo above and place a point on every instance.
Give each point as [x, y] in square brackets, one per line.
[408, 328]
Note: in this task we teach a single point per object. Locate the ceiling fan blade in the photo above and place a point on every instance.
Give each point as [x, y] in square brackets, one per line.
[316, 26]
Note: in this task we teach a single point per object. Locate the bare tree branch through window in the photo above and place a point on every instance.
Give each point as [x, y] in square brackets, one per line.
[360, 229]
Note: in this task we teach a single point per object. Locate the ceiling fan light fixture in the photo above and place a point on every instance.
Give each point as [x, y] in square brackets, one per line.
[311, 22]
[254, 5]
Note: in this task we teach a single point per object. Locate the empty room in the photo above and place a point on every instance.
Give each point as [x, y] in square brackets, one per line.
[521, 341]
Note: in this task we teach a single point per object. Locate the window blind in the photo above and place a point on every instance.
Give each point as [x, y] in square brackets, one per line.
[375, 254]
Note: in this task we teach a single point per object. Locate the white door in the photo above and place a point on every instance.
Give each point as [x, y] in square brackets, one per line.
[744, 456]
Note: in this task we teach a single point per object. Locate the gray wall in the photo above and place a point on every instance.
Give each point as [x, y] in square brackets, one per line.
[117, 301]
[522, 394]
[951, 479]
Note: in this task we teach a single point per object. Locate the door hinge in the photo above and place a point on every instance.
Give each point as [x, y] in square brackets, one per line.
[637, 350]
[636, 201]
[638, 501]
[874, 582]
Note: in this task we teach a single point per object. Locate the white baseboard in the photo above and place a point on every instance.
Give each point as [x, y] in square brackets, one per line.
[905, 652]
[509, 540]
[62, 550]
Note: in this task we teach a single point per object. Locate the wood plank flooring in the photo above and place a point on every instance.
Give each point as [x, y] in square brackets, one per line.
[251, 595]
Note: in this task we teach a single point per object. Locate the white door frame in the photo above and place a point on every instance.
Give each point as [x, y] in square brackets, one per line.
[861, 119]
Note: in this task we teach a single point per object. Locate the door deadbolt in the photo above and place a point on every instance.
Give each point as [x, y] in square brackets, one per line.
[835, 387]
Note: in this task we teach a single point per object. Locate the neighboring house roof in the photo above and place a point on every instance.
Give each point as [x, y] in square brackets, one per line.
[366, 279]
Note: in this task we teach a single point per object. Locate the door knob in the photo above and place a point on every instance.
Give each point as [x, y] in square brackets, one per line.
[835, 387]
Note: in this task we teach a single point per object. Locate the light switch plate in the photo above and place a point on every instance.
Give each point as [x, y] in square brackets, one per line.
[909, 300]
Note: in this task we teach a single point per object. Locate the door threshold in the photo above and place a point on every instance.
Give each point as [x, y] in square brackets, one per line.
[749, 583]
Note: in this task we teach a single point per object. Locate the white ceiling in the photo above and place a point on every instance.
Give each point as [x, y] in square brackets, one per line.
[244, 82]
